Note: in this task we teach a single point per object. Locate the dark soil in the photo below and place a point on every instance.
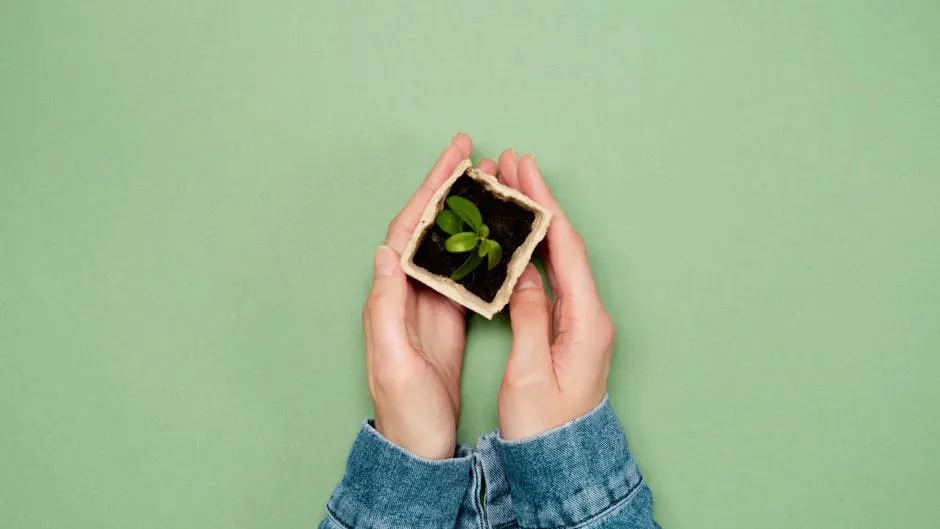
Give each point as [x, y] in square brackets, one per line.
[509, 225]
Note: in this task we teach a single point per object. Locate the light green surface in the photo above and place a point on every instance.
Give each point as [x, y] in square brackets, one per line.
[190, 193]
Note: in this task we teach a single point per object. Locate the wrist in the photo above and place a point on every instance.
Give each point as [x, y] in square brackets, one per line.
[429, 447]
[526, 416]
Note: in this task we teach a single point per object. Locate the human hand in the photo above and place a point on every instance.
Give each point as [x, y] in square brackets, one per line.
[414, 336]
[561, 348]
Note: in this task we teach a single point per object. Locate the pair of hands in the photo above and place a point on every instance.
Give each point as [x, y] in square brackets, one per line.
[561, 347]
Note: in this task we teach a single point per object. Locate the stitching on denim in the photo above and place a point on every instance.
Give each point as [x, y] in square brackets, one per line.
[613, 508]
[335, 518]
[475, 491]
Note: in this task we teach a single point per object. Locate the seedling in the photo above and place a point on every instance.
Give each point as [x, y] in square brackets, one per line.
[463, 212]
[512, 218]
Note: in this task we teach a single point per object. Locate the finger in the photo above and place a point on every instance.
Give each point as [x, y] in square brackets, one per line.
[399, 231]
[463, 142]
[566, 256]
[488, 166]
[384, 313]
[529, 318]
[507, 168]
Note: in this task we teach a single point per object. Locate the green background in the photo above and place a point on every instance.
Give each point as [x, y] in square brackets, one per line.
[191, 192]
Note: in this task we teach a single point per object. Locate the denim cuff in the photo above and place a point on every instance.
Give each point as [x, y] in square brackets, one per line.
[386, 486]
[571, 474]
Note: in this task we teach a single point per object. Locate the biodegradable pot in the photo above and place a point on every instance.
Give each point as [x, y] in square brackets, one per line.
[516, 222]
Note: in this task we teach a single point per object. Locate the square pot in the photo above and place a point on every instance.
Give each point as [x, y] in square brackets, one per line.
[506, 212]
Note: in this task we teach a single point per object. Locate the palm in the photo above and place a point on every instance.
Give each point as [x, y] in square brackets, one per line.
[415, 336]
[436, 330]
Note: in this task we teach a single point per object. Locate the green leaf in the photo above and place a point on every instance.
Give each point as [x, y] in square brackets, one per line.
[461, 242]
[484, 247]
[468, 266]
[494, 253]
[449, 222]
[467, 211]
[484, 231]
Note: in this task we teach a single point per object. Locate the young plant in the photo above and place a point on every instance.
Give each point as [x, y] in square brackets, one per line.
[452, 221]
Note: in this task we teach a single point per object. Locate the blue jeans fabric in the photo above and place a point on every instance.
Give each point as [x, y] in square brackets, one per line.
[579, 475]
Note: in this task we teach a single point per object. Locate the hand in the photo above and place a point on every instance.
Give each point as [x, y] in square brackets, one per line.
[561, 348]
[414, 336]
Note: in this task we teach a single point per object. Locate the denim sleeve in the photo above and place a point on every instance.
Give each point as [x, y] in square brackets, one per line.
[386, 487]
[578, 475]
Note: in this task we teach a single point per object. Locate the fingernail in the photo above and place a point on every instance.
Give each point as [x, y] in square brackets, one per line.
[385, 261]
[514, 154]
[527, 281]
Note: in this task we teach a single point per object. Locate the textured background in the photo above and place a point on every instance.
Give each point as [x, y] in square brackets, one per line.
[190, 194]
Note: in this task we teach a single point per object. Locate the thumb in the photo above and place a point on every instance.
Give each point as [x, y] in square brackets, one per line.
[385, 308]
[528, 315]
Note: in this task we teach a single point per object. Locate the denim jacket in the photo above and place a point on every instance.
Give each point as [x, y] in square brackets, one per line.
[579, 475]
